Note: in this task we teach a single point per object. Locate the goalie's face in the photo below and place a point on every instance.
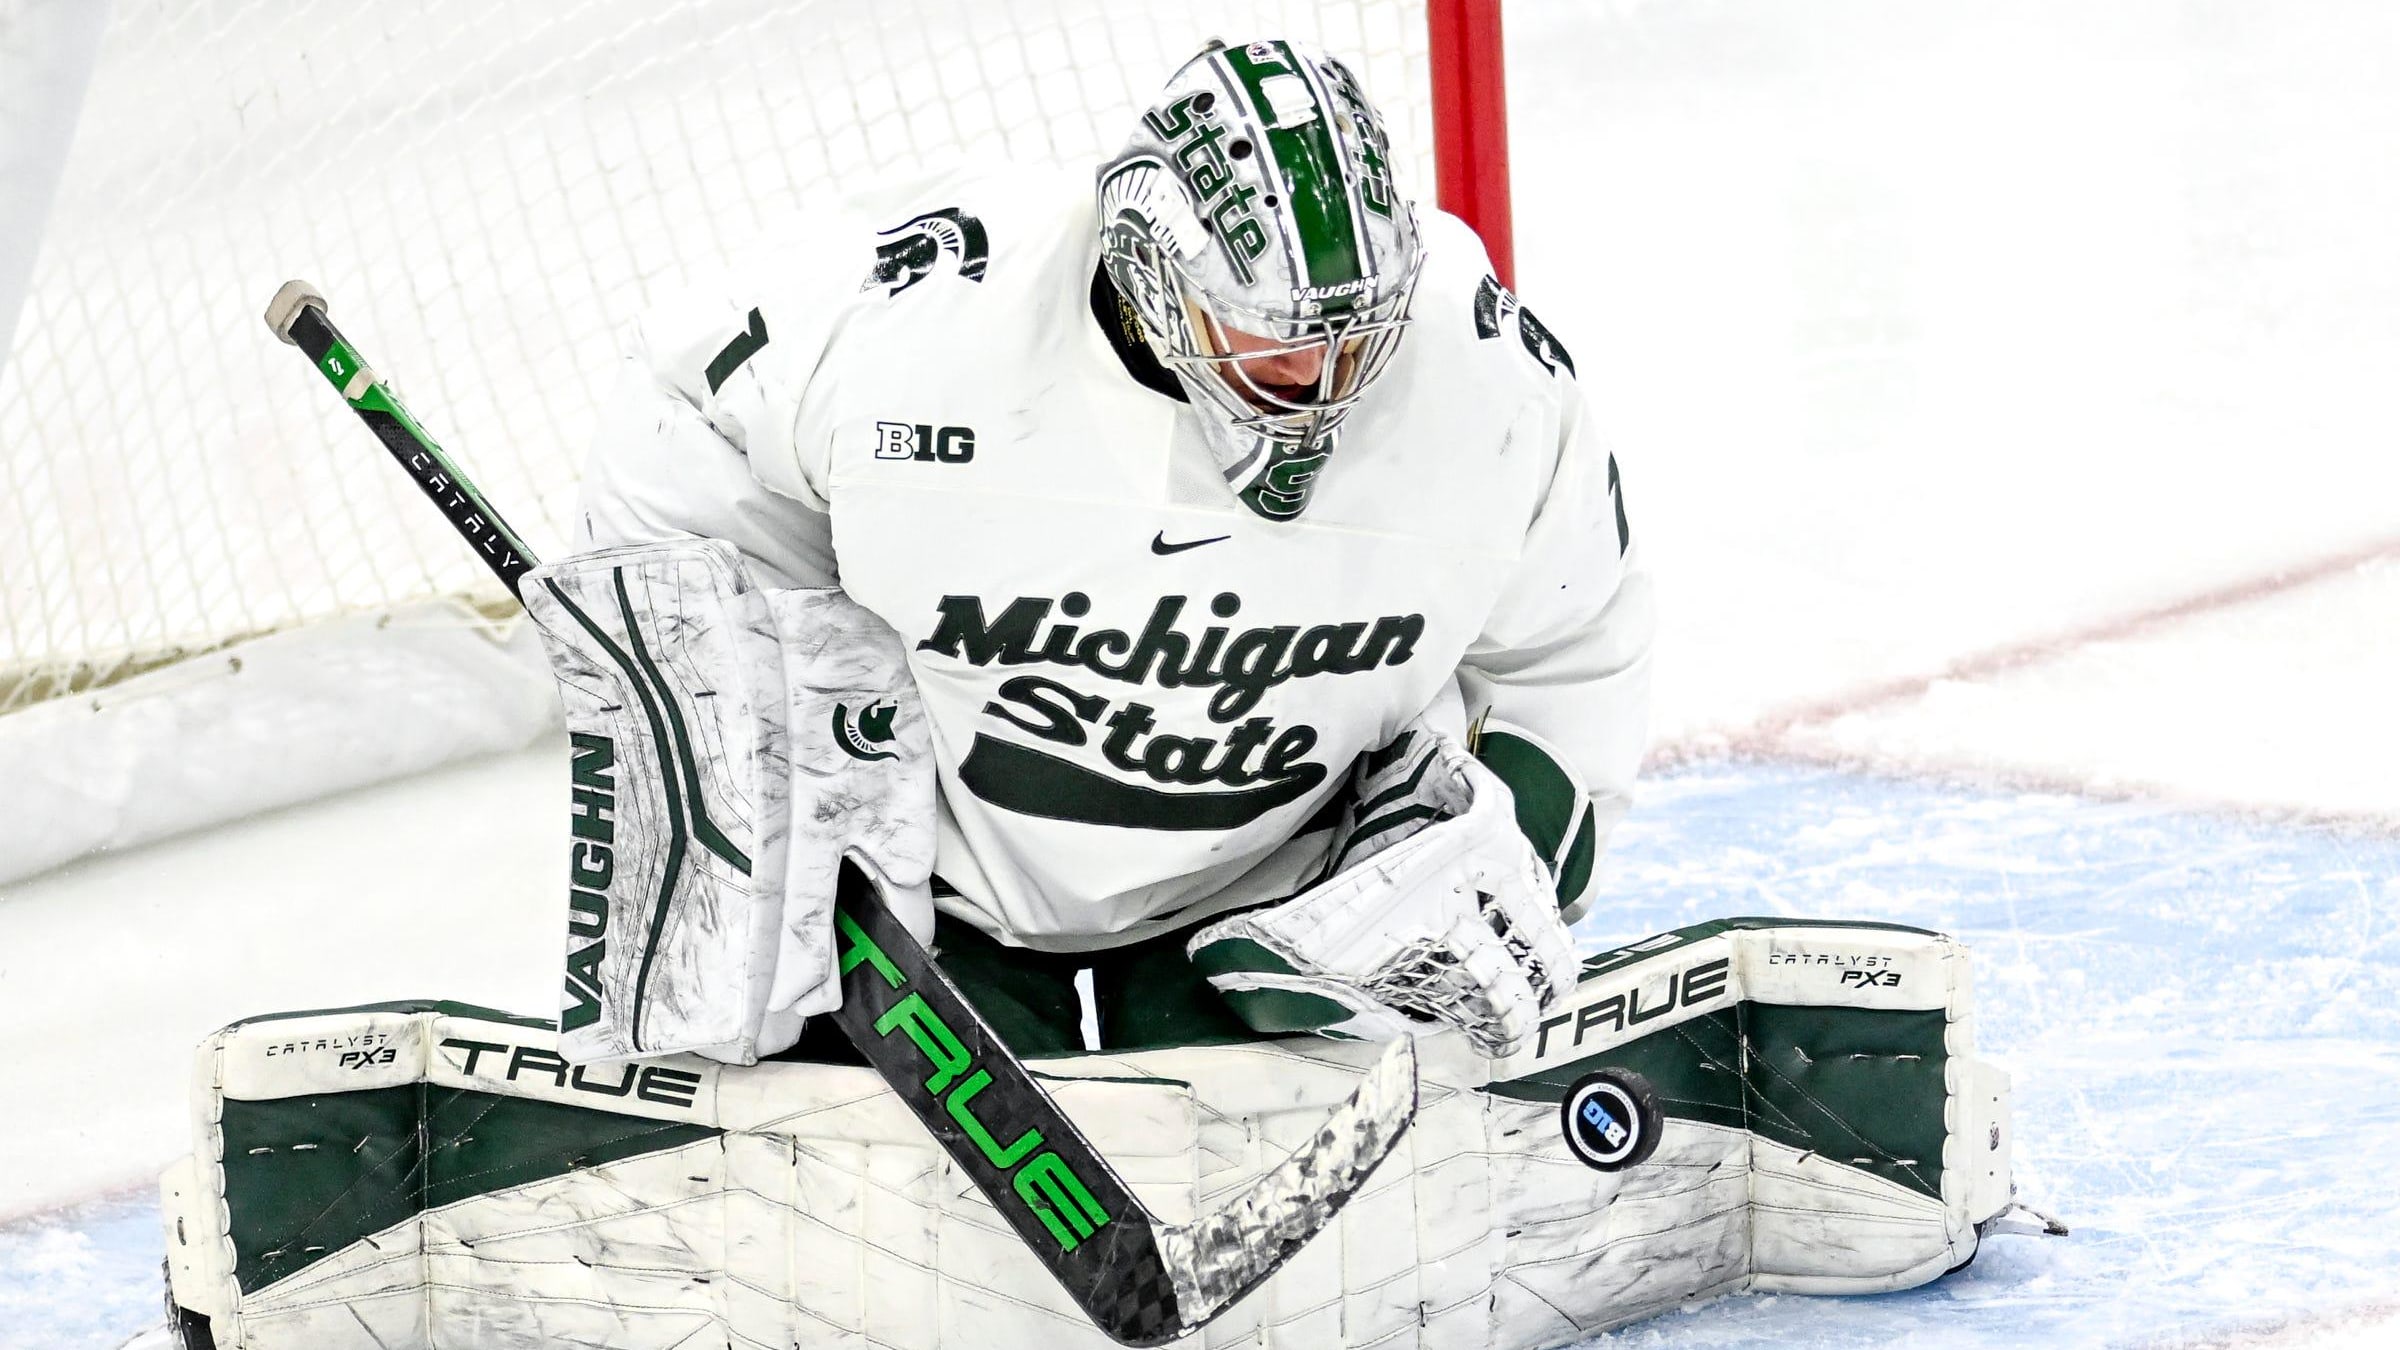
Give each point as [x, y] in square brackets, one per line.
[1267, 370]
[1280, 376]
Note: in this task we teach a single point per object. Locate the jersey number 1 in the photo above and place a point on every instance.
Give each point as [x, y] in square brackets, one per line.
[744, 346]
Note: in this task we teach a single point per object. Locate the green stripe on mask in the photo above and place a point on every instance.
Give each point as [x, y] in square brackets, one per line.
[1309, 164]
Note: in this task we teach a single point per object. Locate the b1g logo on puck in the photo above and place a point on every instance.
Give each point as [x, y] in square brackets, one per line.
[1611, 1119]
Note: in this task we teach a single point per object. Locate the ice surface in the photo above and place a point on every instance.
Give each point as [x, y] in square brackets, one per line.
[2195, 1010]
[1926, 325]
[1935, 338]
[2284, 702]
[87, 1276]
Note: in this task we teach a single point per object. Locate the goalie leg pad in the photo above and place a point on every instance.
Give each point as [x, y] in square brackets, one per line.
[1822, 1135]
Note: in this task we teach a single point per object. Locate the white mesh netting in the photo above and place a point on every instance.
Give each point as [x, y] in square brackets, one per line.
[487, 193]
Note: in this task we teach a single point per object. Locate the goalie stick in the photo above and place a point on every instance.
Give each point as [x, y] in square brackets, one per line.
[1141, 1281]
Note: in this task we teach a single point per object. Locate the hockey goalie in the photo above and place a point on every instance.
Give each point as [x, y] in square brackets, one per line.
[1196, 604]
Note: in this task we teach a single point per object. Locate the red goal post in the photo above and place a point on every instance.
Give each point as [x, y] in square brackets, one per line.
[1470, 122]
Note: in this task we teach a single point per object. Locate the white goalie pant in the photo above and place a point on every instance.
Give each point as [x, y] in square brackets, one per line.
[439, 1179]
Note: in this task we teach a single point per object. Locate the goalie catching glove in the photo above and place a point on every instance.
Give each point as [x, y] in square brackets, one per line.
[1437, 911]
[732, 744]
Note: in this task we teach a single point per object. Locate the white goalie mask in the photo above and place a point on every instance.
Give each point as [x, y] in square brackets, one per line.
[1253, 226]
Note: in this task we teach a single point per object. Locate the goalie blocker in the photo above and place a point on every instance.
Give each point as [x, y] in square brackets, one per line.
[732, 745]
[437, 1177]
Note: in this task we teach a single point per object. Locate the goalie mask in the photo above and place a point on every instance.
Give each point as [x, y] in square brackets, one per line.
[1253, 226]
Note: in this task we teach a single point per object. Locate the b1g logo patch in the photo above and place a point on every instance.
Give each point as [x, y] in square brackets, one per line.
[928, 444]
[1611, 1119]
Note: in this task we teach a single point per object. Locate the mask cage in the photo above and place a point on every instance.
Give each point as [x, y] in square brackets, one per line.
[1187, 326]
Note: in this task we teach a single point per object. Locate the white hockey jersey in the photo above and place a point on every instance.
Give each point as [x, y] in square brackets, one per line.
[1145, 699]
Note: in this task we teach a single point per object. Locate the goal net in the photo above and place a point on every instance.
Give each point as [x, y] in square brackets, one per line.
[489, 192]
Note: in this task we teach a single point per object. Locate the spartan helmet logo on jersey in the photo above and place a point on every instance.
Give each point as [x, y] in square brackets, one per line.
[917, 247]
[1252, 224]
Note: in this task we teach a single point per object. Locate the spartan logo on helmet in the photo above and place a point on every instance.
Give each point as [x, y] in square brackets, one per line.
[1495, 306]
[859, 735]
[918, 246]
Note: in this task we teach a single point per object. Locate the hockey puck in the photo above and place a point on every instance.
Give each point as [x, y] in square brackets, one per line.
[1611, 1119]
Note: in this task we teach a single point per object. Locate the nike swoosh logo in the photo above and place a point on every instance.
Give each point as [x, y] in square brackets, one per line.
[1162, 548]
